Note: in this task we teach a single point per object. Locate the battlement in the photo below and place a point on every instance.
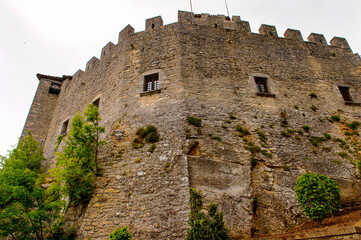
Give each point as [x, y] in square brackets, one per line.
[215, 21]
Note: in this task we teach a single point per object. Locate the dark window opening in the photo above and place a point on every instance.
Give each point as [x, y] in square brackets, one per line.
[151, 82]
[345, 92]
[96, 102]
[54, 88]
[215, 25]
[42, 143]
[64, 128]
[152, 25]
[261, 83]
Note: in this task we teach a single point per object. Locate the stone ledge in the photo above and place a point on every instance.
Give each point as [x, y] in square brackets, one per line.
[150, 92]
[266, 94]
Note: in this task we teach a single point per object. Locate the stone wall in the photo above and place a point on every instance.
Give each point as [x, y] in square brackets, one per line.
[207, 67]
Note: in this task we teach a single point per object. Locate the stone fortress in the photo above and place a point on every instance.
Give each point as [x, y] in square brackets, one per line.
[281, 92]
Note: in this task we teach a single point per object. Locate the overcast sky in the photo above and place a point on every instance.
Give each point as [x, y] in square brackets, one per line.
[59, 37]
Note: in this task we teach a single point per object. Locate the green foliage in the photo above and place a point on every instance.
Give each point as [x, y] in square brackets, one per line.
[149, 134]
[315, 141]
[194, 121]
[77, 163]
[254, 162]
[327, 136]
[312, 95]
[252, 147]
[318, 195]
[152, 148]
[266, 153]
[261, 136]
[232, 117]
[25, 210]
[335, 118]
[243, 131]
[354, 125]
[217, 138]
[286, 168]
[343, 154]
[306, 128]
[120, 234]
[285, 133]
[204, 226]
[314, 108]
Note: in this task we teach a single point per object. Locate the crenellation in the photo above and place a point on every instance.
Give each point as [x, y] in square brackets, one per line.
[106, 49]
[78, 74]
[125, 34]
[153, 23]
[293, 34]
[91, 63]
[340, 42]
[268, 30]
[317, 38]
[185, 17]
[236, 18]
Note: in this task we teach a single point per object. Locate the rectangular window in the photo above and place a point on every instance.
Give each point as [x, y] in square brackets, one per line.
[64, 128]
[345, 92]
[54, 88]
[96, 102]
[261, 83]
[151, 82]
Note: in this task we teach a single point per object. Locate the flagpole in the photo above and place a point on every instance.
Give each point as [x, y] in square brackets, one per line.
[225, 1]
[191, 5]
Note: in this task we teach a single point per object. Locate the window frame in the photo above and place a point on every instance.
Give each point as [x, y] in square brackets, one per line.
[156, 76]
[262, 84]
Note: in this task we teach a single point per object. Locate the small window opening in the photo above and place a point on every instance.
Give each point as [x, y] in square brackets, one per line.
[215, 25]
[152, 25]
[151, 82]
[345, 92]
[54, 88]
[261, 83]
[96, 102]
[64, 128]
[42, 143]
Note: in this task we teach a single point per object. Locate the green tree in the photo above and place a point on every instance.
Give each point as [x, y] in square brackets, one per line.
[77, 163]
[204, 226]
[25, 211]
[318, 195]
[120, 234]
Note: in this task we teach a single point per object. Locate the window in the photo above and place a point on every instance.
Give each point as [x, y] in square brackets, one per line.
[261, 83]
[96, 102]
[54, 88]
[64, 128]
[151, 82]
[345, 92]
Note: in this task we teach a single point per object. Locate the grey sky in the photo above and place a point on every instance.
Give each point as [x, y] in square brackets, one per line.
[58, 37]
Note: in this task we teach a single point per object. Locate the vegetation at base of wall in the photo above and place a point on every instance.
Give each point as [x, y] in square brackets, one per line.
[203, 225]
[194, 121]
[152, 148]
[120, 234]
[26, 209]
[77, 165]
[243, 131]
[312, 95]
[284, 122]
[232, 117]
[318, 195]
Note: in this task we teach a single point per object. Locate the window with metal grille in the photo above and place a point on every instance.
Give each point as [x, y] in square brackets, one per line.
[64, 128]
[261, 83]
[345, 92]
[151, 82]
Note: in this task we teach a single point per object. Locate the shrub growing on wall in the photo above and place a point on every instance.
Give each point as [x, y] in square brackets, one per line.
[203, 226]
[318, 195]
[120, 234]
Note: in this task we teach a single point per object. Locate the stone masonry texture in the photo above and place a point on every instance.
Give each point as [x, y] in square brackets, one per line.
[207, 68]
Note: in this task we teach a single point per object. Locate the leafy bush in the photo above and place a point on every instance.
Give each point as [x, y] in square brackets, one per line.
[120, 234]
[318, 195]
[314, 108]
[232, 117]
[77, 163]
[243, 131]
[306, 128]
[204, 226]
[312, 95]
[354, 125]
[335, 118]
[194, 121]
[149, 134]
